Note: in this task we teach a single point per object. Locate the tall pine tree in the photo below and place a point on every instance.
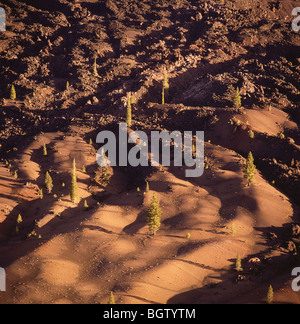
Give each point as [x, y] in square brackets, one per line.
[163, 96]
[95, 71]
[270, 295]
[13, 94]
[45, 153]
[74, 185]
[249, 169]
[238, 264]
[154, 215]
[129, 110]
[237, 101]
[48, 183]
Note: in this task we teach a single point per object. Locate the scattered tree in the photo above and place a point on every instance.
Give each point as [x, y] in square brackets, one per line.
[251, 134]
[111, 300]
[74, 185]
[163, 96]
[48, 183]
[233, 229]
[13, 94]
[129, 110]
[238, 264]
[147, 186]
[249, 169]
[45, 152]
[19, 219]
[95, 71]
[270, 295]
[166, 84]
[237, 101]
[154, 215]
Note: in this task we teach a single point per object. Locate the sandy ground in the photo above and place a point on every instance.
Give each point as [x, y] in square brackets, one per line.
[79, 256]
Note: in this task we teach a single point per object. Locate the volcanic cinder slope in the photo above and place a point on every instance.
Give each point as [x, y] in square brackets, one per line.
[73, 64]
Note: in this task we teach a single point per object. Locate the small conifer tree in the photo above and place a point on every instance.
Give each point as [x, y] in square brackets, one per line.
[19, 219]
[166, 84]
[129, 111]
[237, 101]
[95, 71]
[111, 300]
[251, 134]
[238, 264]
[163, 96]
[270, 295]
[13, 94]
[45, 152]
[154, 215]
[74, 185]
[48, 183]
[249, 169]
[147, 186]
[233, 229]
